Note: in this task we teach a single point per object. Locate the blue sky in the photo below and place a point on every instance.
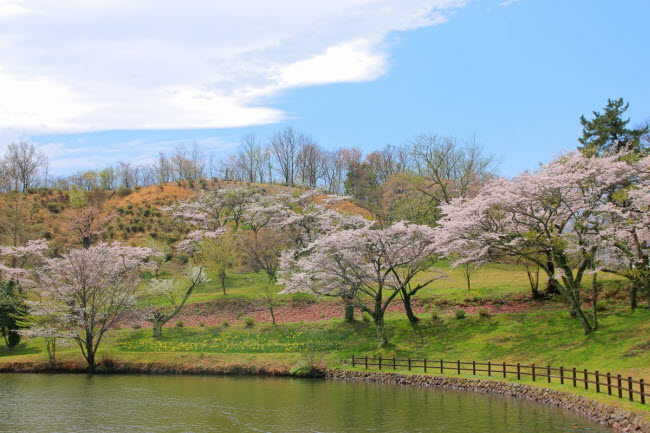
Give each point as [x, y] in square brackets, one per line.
[518, 75]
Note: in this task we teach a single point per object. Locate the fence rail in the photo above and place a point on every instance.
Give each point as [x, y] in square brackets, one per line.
[600, 382]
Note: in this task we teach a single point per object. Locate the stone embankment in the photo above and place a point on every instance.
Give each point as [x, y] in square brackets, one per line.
[618, 419]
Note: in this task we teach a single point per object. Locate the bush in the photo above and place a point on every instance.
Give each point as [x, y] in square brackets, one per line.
[483, 312]
[54, 207]
[202, 324]
[435, 316]
[601, 305]
[460, 314]
[136, 326]
[180, 324]
[249, 321]
[366, 317]
[124, 191]
[226, 323]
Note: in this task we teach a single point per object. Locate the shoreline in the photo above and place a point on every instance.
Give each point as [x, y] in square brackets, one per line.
[618, 419]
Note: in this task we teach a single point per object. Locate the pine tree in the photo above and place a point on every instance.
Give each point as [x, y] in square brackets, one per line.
[608, 132]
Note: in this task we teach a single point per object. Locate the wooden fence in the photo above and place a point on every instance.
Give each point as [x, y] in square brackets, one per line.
[600, 382]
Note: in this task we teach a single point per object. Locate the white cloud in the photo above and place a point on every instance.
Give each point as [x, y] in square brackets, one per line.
[118, 64]
[508, 2]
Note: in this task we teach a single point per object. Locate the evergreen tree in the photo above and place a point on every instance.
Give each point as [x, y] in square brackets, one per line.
[608, 132]
[12, 307]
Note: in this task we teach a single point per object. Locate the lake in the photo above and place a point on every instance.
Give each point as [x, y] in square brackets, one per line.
[80, 403]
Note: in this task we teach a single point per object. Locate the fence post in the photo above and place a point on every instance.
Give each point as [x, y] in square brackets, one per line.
[642, 389]
[586, 374]
[366, 362]
[474, 368]
[380, 362]
[394, 363]
[533, 366]
[459, 366]
[504, 369]
[548, 373]
[409, 363]
[597, 381]
[489, 368]
[425, 365]
[518, 371]
[620, 386]
[609, 383]
[574, 377]
[442, 366]
[562, 375]
[629, 388]
[352, 360]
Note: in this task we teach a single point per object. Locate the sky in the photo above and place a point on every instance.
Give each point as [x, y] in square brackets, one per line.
[91, 83]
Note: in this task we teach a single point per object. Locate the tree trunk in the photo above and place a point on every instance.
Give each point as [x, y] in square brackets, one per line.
[157, 328]
[349, 313]
[634, 291]
[594, 301]
[91, 361]
[222, 277]
[551, 284]
[406, 298]
[380, 330]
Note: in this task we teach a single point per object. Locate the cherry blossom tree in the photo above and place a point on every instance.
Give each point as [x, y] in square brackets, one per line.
[175, 294]
[626, 240]
[370, 267]
[49, 320]
[97, 285]
[554, 218]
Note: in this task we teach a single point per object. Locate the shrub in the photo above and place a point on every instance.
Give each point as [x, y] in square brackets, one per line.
[601, 305]
[249, 321]
[54, 207]
[483, 312]
[435, 316]
[202, 324]
[136, 326]
[365, 317]
[180, 324]
[460, 314]
[226, 323]
[124, 191]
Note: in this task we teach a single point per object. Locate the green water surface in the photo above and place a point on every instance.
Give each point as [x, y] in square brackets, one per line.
[79, 403]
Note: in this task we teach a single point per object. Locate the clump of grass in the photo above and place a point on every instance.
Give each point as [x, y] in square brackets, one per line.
[249, 321]
[136, 326]
[202, 324]
[460, 314]
[483, 313]
[180, 324]
[225, 323]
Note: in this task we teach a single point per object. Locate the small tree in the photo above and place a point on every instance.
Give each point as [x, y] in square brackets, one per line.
[220, 254]
[97, 285]
[175, 295]
[48, 320]
[12, 306]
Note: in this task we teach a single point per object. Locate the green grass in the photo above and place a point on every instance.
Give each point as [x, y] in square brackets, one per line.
[493, 281]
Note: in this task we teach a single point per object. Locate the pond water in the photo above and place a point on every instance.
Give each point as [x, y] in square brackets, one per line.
[79, 403]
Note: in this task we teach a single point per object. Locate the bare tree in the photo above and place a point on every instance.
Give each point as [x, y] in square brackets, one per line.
[250, 158]
[450, 168]
[311, 163]
[285, 145]
[23, 163]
